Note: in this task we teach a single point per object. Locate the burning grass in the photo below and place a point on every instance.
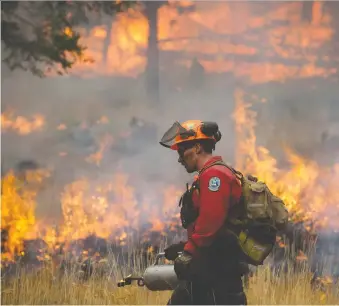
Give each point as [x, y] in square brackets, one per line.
[51, 285]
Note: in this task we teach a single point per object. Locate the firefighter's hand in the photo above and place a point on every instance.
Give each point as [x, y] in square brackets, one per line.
[182, 266]
[171, 253]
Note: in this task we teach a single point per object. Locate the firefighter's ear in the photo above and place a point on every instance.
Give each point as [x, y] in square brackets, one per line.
[198, 148]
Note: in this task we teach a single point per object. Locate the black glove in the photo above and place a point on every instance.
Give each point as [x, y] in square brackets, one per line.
[171, 253]
[182, 266]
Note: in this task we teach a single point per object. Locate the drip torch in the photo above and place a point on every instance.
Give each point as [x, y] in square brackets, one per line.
[157, 277]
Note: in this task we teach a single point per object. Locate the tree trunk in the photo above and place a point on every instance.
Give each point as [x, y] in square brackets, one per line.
[107, 40]
[152, 66]
[307, 11]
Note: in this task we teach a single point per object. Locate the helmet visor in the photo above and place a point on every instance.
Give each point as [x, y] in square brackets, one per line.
[175, 132]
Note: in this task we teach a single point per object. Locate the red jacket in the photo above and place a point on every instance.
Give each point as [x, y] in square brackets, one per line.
[213, 202]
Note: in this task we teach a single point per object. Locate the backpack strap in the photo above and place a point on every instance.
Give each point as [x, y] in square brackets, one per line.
[238, 174]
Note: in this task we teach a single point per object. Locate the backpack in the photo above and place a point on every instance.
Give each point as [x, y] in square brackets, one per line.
[256, 219]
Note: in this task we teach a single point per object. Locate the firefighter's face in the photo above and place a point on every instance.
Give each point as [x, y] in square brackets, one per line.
[188, 158]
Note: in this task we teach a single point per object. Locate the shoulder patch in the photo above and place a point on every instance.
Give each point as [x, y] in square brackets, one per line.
[214, 184]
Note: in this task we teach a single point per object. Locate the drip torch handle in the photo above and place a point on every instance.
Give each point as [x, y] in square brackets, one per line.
[160, 256]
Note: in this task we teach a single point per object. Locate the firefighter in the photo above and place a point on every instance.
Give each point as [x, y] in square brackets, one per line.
[209, 265]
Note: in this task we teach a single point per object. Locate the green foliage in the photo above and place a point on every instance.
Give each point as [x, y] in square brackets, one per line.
[39, 36]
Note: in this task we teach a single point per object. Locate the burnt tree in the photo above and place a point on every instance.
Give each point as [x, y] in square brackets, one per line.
[152, 66]
[333, 9]
[107, 41]
[307, 11]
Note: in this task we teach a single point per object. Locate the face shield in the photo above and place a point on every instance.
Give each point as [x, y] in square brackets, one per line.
[175, 134]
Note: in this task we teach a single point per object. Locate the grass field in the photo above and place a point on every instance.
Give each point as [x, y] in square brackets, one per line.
[48, 286]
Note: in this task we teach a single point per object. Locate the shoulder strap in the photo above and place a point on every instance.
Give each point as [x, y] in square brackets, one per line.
[238, 174]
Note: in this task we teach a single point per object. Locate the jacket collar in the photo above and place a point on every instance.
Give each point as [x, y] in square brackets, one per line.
[212, 160]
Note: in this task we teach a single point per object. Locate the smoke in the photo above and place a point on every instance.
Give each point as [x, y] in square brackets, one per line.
[302, 114]
[299, 113]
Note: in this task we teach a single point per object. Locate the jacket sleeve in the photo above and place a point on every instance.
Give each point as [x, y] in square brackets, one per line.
[213, 210]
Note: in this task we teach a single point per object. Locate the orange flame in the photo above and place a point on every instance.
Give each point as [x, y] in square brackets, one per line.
[110, 208]
[301, 187]
[20, 124]
[18, 203]
[103, 144]
[208, 34]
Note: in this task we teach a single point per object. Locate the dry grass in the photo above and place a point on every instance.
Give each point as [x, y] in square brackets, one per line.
[48, 286]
